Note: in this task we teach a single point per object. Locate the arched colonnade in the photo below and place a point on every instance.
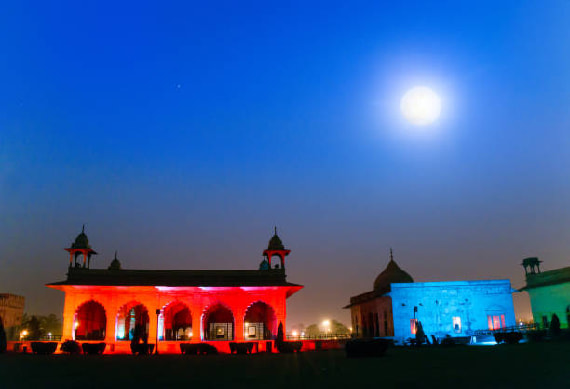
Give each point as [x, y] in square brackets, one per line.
[175, 321]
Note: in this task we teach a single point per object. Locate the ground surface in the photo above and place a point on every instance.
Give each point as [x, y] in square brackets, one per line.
[538, 365]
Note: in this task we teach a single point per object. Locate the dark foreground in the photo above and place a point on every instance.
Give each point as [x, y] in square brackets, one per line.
[538, 365]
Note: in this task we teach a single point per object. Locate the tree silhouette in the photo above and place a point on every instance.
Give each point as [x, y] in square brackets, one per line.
[312, 330]
[34, 328]
[50, 323]
[338, 328]
[38, 325]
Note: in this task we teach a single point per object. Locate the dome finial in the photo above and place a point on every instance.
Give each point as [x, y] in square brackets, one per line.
[275, 242]
[81, 241]
[391, 254]
[115, 254]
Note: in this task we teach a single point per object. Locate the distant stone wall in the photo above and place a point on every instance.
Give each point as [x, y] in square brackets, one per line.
[11, 311]
[454, 308]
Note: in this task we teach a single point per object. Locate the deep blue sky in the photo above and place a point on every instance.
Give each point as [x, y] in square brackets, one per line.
[181, 134]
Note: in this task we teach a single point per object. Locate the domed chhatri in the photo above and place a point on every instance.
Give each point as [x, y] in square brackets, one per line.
[81, 241]
[391, 275]
[275, 248]
[531, 265]
[80, 247]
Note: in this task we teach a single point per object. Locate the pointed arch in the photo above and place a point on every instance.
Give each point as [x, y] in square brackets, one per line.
[218, 322]
[176, 321]
[90, 321]
[131, 318]
[260, 321]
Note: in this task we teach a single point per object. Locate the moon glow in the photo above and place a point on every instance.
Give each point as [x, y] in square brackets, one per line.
[420, 106]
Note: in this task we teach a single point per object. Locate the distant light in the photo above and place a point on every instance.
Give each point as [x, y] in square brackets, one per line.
[420, 106]
[294, 333]
[326, 323]
[350, 329]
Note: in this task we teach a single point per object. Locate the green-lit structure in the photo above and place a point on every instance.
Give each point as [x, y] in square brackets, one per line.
[549, 292]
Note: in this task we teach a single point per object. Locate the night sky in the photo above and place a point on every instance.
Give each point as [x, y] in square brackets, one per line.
[181, 134]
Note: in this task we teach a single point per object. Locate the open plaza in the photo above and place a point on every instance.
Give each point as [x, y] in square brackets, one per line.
[529, 365]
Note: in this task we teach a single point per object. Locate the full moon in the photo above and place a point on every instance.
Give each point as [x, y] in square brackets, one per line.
[420, 106]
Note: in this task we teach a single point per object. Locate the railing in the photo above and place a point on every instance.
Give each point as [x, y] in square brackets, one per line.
[319, 337]
[517, 328]
[52, 338]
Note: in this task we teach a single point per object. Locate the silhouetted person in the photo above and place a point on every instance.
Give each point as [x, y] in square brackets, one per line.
[555, 325]
[280, 335]
[3, 341]
[420, 334]
[139, 343]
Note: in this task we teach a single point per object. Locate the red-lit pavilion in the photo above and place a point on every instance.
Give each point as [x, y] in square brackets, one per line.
[105, 305]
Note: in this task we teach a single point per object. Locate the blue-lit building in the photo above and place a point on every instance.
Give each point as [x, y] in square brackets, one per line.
[447, 308]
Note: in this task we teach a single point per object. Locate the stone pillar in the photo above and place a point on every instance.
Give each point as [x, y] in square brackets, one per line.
[68, 316]
[239, 329]
[280, 314]
[152, 304]
[196, 312]
[111, 314]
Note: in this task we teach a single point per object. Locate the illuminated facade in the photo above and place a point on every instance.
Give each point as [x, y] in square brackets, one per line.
[454, 308]
[112, 305]
[549, 293]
